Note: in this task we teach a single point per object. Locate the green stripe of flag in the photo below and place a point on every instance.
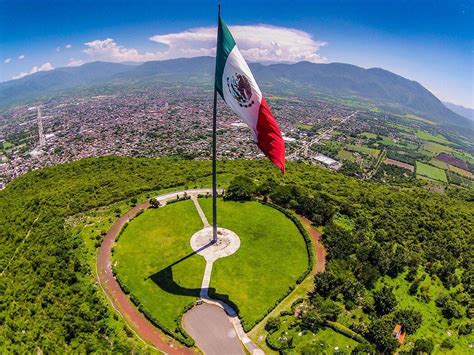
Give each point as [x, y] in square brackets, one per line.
[225, 44]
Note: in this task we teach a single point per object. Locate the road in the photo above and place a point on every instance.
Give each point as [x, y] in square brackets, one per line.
[305, 148]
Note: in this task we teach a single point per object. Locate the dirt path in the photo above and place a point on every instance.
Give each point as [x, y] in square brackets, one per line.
[142, 327]
[320, 264]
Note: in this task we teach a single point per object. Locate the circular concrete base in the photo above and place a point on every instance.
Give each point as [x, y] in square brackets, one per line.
[227, 243]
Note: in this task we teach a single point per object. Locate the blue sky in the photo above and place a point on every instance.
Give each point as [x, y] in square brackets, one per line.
[431, 42]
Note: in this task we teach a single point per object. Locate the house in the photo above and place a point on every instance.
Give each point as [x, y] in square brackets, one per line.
[398, 333]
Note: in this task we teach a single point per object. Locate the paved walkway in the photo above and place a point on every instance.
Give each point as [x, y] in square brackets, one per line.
[200, 212]
[198, 320]
[195, 321]
[211, 329]
[122, 304]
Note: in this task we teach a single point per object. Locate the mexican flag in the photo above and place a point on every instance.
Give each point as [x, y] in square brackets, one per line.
[237, 86]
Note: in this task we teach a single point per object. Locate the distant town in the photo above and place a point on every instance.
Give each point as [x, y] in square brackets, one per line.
[363, 141]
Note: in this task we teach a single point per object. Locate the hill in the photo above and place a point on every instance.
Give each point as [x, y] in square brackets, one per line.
[460, 110]
[374, 86]
[372, 232]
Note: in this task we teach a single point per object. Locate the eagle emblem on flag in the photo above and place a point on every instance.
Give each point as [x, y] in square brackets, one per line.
[240, 89]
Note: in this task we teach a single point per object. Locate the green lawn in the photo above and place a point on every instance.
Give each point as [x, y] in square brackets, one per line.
[272, 256]
[345, 155]
[434, 325]
[436, 148]
[304, 126]
[149, 245]
[368, 135]
[426, 136]
[417, 118]
[439, 164]
[325, 341]
[430, 172]
[363, 149]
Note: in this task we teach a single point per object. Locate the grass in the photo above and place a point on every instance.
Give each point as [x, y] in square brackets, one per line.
[439, 164]
[325, 341]
[148, 246]
[304, 126]
[418, 118]
[363, 149]
[460, 171]
[464, 156]
[345, 155]
[344, 221]
[434, 325]
[272, 256]
[436, 148]
[430, 172]
[368, 135]
[426, 136]
[160, 237]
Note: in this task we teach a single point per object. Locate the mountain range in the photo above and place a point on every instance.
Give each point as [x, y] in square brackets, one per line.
[460, 110]
[375, 86]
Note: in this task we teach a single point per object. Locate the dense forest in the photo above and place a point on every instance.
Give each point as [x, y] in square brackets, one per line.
[372, 232]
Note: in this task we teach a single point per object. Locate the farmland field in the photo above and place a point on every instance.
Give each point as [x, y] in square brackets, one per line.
[438, 163]
[368, 135]
[459, 171]
[432, 138]
[363, 149]
[436, 148]
[430, 172]
[345, 155]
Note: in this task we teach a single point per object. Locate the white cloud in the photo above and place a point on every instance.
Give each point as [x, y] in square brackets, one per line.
[21, 56]
[68, 46]
[75, 62]
[261, 43]
[35, 69]
[58, 49]
[8, 60]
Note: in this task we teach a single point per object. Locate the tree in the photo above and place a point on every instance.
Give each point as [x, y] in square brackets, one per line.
[272, 325]
[410, 318]
[154, 203]
[451, 309]
[363, 349]
[380, 333]
[340, 242]
[241, 188]
[423, 346]
[326, 283]
[133, 201]
[311, 321]
[447, 344]
[384, 300]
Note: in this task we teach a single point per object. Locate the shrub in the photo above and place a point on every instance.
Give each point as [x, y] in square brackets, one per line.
[241, 188]
[465, 328]
[272, 325]
[423, 346]
[447, 344]
[410, 318]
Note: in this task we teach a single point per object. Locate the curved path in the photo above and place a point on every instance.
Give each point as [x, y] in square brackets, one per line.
[147, 331]
[136, 320]
[320, 250]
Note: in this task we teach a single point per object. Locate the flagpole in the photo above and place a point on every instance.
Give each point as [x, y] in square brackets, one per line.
[214, 148]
